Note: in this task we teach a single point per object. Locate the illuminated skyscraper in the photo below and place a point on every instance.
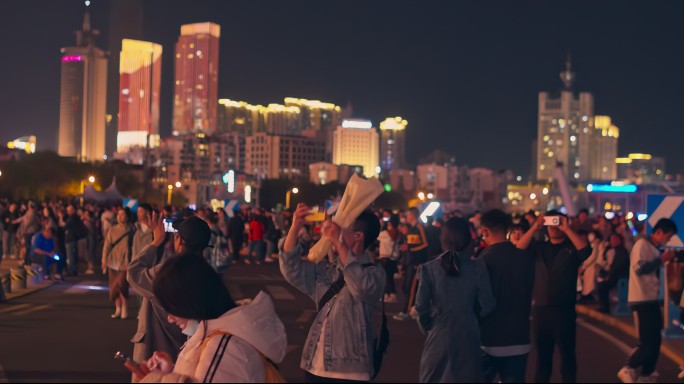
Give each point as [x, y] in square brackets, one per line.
[564, 132]
[392, 143]
[196, 84]
[140, 74]
[356, 143]
[125, 22]
[83, 97]
[604, 145]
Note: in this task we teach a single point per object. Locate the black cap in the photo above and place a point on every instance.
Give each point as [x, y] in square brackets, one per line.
[194, 231]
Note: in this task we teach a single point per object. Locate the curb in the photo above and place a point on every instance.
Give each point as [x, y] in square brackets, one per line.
[673, 353]
[27, 291]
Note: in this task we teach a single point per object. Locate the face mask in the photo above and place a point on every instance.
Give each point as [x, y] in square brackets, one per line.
[191, 328]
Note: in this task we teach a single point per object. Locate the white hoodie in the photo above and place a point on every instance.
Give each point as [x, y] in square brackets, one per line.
[255, 327]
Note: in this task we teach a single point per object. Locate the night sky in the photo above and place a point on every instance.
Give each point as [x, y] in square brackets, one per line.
[465, 74]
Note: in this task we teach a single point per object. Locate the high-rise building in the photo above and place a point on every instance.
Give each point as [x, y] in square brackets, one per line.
[125, 22]
[83, 97]
[140, 76]
[281, 156]
[564, 131]
[242, 117]
[319, 119]
[356, 142]
[393, 143]
[196, 80]
[641, 168]
[604, 144]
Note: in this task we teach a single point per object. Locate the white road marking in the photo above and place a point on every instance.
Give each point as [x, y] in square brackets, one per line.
[14, 307]
[33, 309]
[279, 293]
[617, 342]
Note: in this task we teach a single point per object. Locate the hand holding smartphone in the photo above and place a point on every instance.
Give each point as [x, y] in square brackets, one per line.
[136, 368]
[551, 221]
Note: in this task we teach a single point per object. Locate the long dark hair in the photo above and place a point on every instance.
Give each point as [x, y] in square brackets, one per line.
[186, 286]
[455, 238]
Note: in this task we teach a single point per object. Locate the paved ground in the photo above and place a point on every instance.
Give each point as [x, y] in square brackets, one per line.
[64, 334]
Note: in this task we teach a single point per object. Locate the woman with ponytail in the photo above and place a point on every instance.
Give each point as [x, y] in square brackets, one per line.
[454, 291]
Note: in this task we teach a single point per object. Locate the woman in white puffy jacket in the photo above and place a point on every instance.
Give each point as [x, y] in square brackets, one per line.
[228, 343]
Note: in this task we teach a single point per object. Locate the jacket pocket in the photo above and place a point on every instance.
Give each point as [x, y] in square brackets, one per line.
[138, 337]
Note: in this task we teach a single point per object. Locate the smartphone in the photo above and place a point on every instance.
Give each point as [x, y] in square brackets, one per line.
[123, 358]
[385, 218]
[552, 221]
[315, 214]
[168, 224]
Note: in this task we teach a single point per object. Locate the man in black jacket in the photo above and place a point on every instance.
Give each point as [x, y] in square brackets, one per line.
[505, 332]
[555, 288]
[74, 230]
[236, 232]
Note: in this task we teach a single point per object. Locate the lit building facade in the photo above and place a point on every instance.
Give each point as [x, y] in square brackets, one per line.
[196, 79]
[393, 143]
[564, 131]
[281, 156]
[402, 180]
[357, 142]
[24, 143]
[604, 145]
[641, 168]
[197, 161]
[140, 81]
[83, 98]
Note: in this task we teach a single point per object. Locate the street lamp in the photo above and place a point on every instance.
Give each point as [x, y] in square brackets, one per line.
[178, 184]
[421, 195]
[430, 196]
[287, 196]
[91, 179]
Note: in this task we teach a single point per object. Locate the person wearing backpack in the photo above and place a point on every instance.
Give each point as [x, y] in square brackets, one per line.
[227, 343]
[348, 290]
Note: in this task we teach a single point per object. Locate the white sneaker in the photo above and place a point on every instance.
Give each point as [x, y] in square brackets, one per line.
[89, 272]
[627, 375]
[269, 259]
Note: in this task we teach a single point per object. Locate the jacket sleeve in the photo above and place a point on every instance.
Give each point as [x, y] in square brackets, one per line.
[142, 271]
[424, 301]
[641, 259]
[485, 298]
[584, 253]
[301, 274]
[107, 247]
[365, 284]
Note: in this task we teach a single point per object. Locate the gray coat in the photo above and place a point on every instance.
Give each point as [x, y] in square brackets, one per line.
[349, 333]
[448, 309]
[154, 332]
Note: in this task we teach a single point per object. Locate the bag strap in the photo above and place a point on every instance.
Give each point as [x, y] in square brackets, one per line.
[218, 355]
[334, 289]
[120, 238]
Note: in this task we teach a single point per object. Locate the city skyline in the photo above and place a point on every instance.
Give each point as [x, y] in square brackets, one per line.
[440, 67]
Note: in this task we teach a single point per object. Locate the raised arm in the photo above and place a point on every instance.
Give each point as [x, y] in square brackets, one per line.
[527, 238]
[300, 273]
[143, 268]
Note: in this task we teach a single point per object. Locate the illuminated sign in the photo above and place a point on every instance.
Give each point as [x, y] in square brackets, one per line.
[357, 124]
[229, 179]
[627, 188]
[68, 59]
[429, 211]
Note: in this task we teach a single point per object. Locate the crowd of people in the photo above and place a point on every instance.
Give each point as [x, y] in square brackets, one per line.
[471, 282]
